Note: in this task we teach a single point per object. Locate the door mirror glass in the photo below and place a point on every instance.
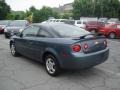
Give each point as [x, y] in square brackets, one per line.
[20, 34]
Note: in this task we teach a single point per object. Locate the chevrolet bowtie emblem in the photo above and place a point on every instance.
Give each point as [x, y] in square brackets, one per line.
[96, 42]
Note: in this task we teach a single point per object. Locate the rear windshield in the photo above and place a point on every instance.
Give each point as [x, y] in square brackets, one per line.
[65, 30]
[4, 22]
[18, 23]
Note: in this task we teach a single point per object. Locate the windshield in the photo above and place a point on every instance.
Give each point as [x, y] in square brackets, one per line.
[70, 31]
[4, 22]
[18, 23]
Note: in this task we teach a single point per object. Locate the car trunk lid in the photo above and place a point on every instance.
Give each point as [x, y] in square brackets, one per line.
[91, 44]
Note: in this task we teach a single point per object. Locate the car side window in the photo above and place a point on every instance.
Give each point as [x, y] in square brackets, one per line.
[118, 26]
[113, 26]
[79, 22]
[30, 31]
[84, 22]
[44, 33]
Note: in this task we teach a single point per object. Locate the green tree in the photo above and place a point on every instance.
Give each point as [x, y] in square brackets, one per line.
[66, 16]
[46, 12]
[42, 14]
[4, 9]
[82, 8]
[96, 8]
[16, 15]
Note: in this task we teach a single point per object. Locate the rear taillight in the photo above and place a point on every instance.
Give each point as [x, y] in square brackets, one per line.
[76, 48]
[105, 43]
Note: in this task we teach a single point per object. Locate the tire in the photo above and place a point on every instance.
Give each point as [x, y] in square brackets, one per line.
[6, 36]
[13, 50]
[112, 35]
[52, 66]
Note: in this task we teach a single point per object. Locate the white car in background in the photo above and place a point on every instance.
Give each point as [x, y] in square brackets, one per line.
[113, 20]
[54, 20]
[60, 20]
[80, 23]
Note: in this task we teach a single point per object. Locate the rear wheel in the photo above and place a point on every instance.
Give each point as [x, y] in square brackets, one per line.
[52, 66]
[112, 35]
[13, 50]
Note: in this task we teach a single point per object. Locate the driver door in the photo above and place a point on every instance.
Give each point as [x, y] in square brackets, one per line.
[25, 44]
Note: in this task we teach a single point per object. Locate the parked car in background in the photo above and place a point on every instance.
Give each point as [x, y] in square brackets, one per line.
[94, 26]
[71, 22]
[118, 22]
[87, 19]
[3, 24]
[60, 46]
[51, 20]
[60, 20]
[104, 20]
[80, 23]
[14, 27]
[112, 31]
[113, 20]
[54, 20]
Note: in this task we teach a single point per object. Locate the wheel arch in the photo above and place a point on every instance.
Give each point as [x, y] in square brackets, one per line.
[112, 32]
[11, 42]
[51, 52]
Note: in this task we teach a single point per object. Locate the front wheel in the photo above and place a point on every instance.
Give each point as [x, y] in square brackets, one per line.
[52, 66]
[112, 35]
[13, 50]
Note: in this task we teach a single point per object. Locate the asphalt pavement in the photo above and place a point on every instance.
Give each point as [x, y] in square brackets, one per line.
[21, 73]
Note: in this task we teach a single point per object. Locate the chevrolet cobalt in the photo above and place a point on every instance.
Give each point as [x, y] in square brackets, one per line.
[60, 46]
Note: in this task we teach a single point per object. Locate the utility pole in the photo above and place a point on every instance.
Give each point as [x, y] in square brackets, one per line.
[101, 10]
[94, 2]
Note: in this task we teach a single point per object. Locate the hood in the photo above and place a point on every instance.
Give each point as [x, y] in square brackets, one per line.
[13, 29]
[2, 26]
[9, 28]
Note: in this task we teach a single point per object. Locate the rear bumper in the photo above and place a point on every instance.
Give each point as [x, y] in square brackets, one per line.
[81, 61]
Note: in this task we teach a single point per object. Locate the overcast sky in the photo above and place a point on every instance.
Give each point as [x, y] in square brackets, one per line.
[22, 5]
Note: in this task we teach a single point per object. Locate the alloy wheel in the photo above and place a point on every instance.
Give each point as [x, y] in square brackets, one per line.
[50, 65]
[112, 35]
[13, 50]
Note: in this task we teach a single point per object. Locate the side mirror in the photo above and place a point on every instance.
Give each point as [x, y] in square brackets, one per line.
[21, 35]
[20, 32]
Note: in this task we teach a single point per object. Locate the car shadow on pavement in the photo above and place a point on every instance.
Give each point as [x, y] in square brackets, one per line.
[68, 73]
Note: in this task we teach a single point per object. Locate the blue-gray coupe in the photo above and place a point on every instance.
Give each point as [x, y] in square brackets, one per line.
[60, 46]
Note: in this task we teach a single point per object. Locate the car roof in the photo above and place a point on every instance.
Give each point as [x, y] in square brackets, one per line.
[109, 25]
[49, 24]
